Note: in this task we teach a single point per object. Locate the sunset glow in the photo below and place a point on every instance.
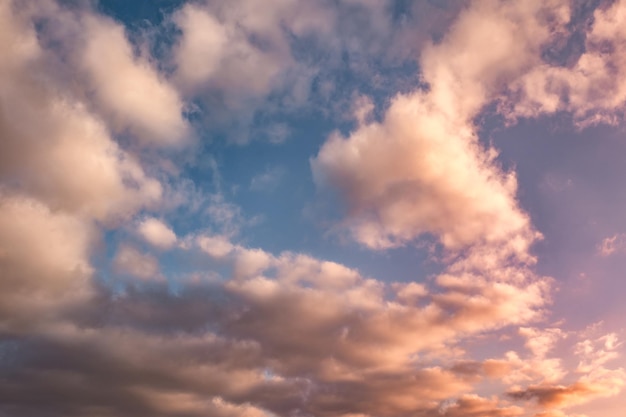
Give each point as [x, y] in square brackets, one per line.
[324, 208]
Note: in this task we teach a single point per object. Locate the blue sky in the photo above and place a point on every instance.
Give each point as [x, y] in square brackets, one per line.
[326, 208]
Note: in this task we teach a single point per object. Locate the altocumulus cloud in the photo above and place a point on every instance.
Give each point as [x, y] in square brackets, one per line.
[115, 301]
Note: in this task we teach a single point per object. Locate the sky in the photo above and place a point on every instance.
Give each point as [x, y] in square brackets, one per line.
[328, 208]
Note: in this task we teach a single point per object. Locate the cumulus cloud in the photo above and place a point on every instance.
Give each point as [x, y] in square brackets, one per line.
[475, 406]
[401, 180]
[421, 169]
[33, 291]
[61, 170]
[287, 333]
[592, 89]
[133, 96]
[596, 381]
[244, 60]
[215, 246]
[232, 56]
[53, 147]
[541, 341]
[93, 57]
[157, 233]
[220, 53]
[129, 260]
[237, 330]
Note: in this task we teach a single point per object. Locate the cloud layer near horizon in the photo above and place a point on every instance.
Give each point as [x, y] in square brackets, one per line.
[108, 309]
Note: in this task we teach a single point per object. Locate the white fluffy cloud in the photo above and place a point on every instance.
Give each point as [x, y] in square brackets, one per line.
[593, 89]
[421, 169]
[131, 93]
[240, 331]
[53, 147]
[44, 262]
[216, 51]
[157, 233]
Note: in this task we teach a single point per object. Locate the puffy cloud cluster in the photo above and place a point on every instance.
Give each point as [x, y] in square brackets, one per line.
[421, 169]
[232, 56]
[593, 88]
[53, 147]
[44, 262]
[61, 171]
[239, 331]
[246, 60]
[134, 97]
[288, 333]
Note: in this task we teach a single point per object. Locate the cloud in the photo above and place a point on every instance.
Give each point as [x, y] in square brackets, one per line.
[611, 245]
[557, 413]
[597, 385]
[156, 233]
[232, 57]
[131, 93]
[129, 260]
[236, 330]
[267, 180]
[53, 147]
[540, 342]
[215, 246]
[411, 175]
[595, 352]
[596, 381]
[44, 259]
[592, 88]
[421, 169]
[220, 53]
[475, 406]
[287, 333]
[226, 217]
[93, 57]
[242, 60]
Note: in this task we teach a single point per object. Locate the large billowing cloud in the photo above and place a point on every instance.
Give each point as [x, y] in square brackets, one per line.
[288, 334]
[106, 311]
[53, 147]
[421, 169]
[351, 347]
[33, 291]
[60, 170]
